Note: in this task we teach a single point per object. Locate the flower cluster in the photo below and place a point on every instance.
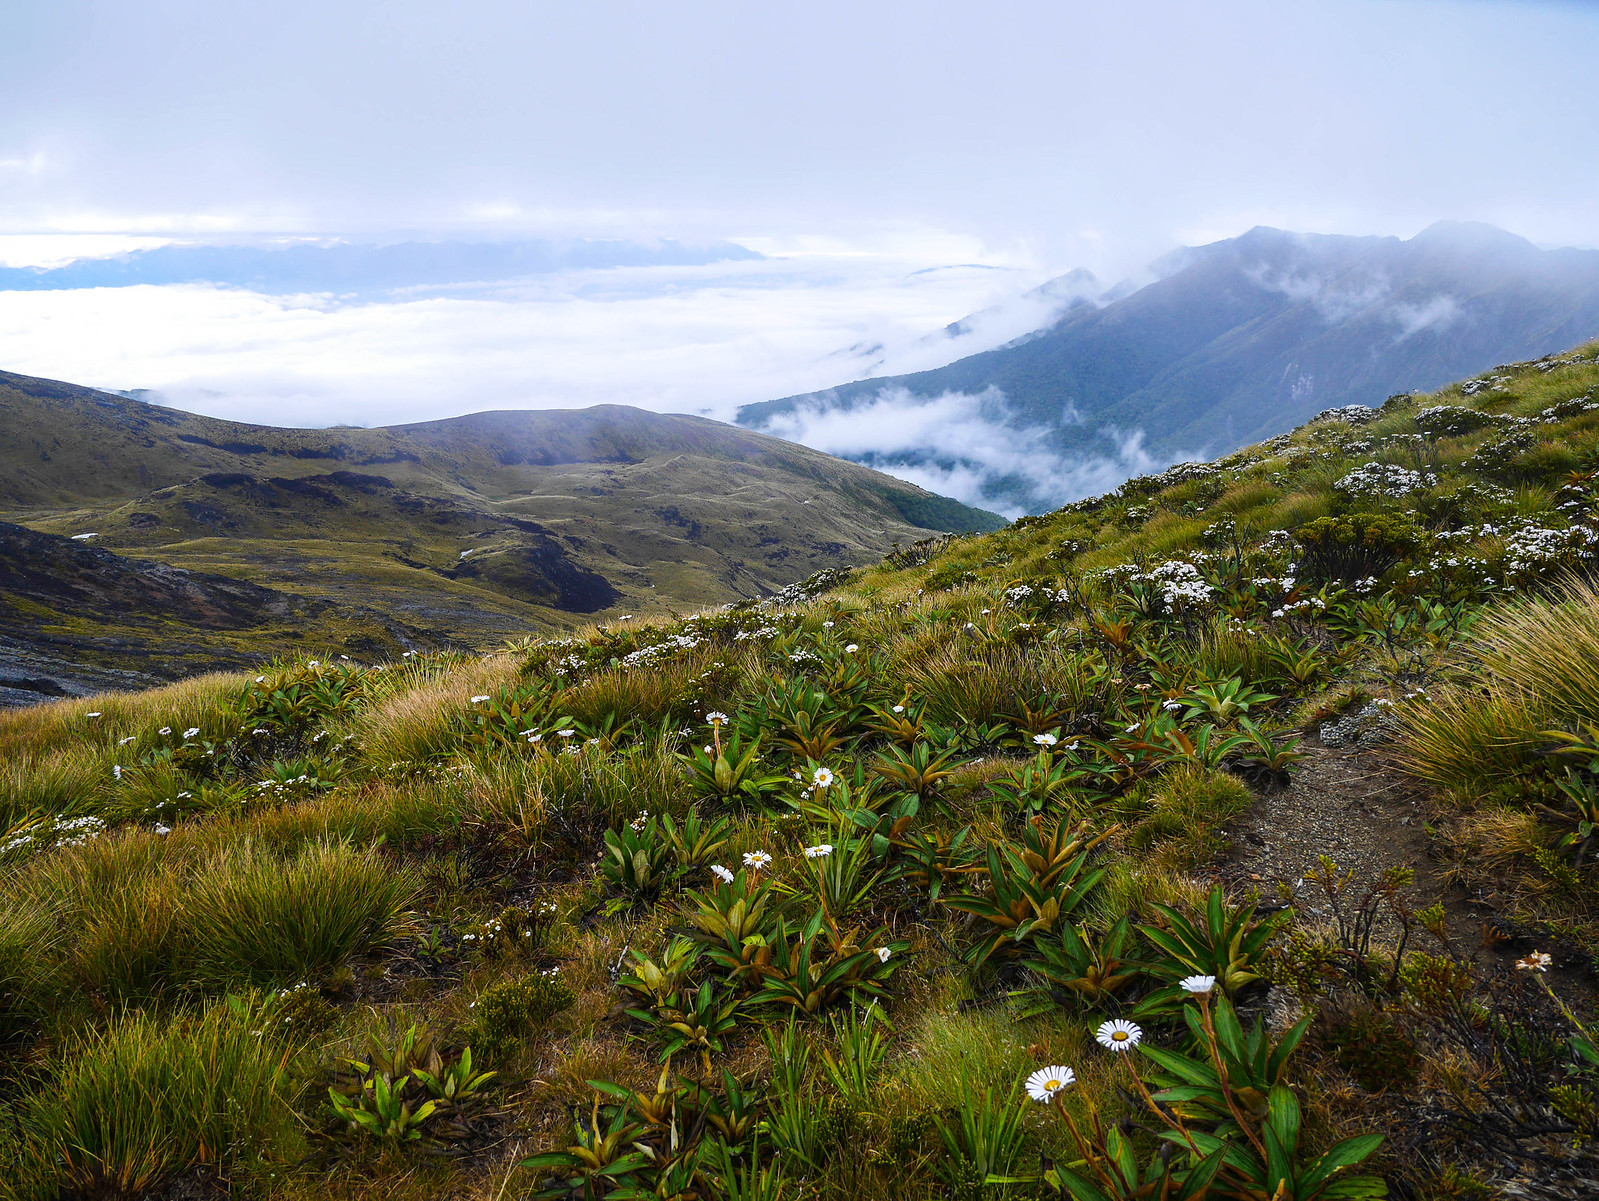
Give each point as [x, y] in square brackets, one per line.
[1385, 481]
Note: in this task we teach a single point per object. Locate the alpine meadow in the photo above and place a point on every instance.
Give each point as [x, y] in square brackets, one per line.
[1229, 835]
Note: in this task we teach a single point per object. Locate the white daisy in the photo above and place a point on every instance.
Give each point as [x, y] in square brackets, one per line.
[166, 730]
[1535, 962]
[822, 777]
[899, 708]
[716, 719]
[566, 733]
[91, 715]
[1198, 985]
[721, 873]
[1045, 739]
[191, 731]
[478, 700]
[1117, 1035]
[756, 860]
[1043, 1084]
[820, 851]
[851, 649]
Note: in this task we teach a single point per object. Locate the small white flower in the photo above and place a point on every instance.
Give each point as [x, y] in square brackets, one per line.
[165, 730]
[566, 733]
[851, 649]
[128, 739]
[820, 851]
[707, 750]
[160, 829]
[1198, 985]
[191, 731]
[1045, 739]
[756, 860]
[91, 715]
[1043, 1084]
[899, 708]
[822, 777]
[1117, 1035]
[721, 873]
[1535, 962]
[883, 953]
[478, 700]
[116, 771]
[716, 719]
[1134, 728]
[827, 625]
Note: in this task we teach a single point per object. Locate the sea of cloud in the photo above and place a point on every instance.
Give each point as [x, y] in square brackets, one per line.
[967, 446]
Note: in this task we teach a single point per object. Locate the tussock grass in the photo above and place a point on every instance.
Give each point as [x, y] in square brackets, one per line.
[43, 728]
[150, 1097]
[1541, 661]
[58, 782]
[1185, 809]
[31, 943]
[420, 724]
[255, 917]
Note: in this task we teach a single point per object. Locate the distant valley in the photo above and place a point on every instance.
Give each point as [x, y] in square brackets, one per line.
[467, 531]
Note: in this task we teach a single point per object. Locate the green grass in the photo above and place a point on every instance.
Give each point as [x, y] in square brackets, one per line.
[400, 845]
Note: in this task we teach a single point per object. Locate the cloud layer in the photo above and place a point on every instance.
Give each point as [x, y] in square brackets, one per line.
[965, 446]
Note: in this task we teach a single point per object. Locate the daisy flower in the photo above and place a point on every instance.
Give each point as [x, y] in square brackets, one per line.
[166, 730]
[1198, 985]
[566, 733]
[851, 649]
[899, 708]
[756, 860]
[721, 873]
[1045, 739]
[478, 700]
[1117, 1035]
[716, 719]
[191, 731]
[883, 953]
[820, 851]
[822, 777]
[1536, 962]
[1043, 1084]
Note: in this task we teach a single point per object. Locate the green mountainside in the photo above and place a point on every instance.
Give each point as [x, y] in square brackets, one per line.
[474, 528]
[1232, 835]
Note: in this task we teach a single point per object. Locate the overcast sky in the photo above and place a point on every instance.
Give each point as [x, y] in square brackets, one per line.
[861, 141]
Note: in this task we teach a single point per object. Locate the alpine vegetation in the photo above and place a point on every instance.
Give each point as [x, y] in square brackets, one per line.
[1230, 835]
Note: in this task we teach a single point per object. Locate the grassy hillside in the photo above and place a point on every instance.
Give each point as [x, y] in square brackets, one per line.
[1228, 836]
[477, 528]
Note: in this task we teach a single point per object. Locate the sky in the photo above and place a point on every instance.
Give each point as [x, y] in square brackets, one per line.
[900, 164]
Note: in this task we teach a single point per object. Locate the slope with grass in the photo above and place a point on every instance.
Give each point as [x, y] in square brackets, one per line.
[920, 882]
[476, 528]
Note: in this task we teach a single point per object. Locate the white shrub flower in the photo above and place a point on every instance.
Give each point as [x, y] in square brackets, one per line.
[1043, 1084]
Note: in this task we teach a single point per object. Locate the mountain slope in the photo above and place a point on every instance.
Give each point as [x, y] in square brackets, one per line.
[474, 527]
[1245, 338]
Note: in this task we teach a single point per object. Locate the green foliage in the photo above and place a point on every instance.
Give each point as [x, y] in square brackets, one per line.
[1223, 942]
[507, 1013]
[982, 1140]
[1355, 546]
[151, 1096]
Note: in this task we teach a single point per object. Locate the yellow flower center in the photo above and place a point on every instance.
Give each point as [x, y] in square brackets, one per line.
[1119, 1036]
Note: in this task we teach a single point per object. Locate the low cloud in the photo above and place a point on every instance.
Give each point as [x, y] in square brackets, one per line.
[1334, 301]
[1438, 313]
[966, 446]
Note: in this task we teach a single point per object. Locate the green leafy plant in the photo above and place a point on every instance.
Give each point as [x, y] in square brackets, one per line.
[1224, 942]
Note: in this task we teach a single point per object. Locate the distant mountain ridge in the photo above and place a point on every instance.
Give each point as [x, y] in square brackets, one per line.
[1240, 340]
[358, 267]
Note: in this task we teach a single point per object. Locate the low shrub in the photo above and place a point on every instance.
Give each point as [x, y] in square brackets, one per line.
[1186, 808]
[508, 1012]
